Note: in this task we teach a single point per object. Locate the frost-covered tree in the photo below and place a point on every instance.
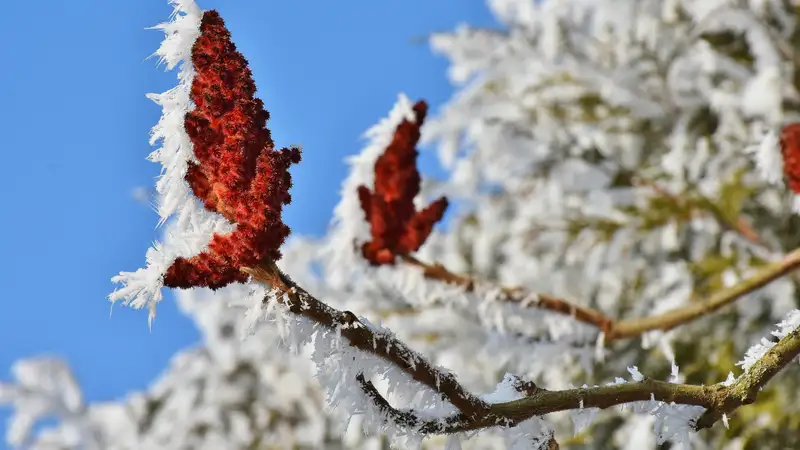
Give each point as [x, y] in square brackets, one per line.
[622, 194]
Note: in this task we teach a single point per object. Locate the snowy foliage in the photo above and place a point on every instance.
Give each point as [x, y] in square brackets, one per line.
[620, 154]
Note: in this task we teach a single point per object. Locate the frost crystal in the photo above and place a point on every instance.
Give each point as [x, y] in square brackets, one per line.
[768, 159]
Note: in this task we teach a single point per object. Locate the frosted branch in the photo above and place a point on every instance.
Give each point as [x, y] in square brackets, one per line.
[706, 404]
[615, 329]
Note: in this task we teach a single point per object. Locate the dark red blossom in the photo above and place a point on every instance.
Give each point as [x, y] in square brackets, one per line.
[397, 227]
[239, 173]
[790, 150]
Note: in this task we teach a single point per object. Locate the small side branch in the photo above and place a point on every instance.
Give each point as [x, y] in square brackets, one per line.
[409, 419]
[628, 328]
[516, 294]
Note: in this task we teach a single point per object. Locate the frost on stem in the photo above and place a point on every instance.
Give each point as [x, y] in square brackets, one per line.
[215, 145]
[788, 325]
[397, 227]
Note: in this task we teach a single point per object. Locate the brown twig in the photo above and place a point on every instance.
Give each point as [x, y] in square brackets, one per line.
[628, 328]
[515, 294]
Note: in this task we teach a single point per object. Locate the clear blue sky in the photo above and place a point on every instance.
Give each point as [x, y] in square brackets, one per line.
[75, 123]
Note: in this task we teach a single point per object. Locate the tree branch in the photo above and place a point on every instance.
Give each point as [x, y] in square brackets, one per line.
[717, 399]
[622, 329]
[671, 319]
[476, 414]
[515, 294]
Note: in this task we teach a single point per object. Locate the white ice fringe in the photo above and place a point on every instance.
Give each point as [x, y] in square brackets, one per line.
[757, 351]
[193, 228]
[180, 32]
[673, 422]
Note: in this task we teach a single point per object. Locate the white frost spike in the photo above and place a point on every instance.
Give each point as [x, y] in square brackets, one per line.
[505, 391]
[635, 374]
[600, 347]
[788, 325]
[256, 309]
[730, 380]
[675, 376]
[181, 32]
[142, 287]
[183, 238]
[531, 434]
[768, 158]
[675, 422]
[582, 417]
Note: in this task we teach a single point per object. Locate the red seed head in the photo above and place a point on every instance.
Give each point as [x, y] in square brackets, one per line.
[240, 174]
[397, 228]
[790, 150]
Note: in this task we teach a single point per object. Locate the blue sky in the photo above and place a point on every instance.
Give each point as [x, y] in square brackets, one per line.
[75, 123]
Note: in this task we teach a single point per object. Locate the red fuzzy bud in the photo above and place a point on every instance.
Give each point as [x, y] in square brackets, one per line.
[397, 228]
[240, 174]
[790, 150]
